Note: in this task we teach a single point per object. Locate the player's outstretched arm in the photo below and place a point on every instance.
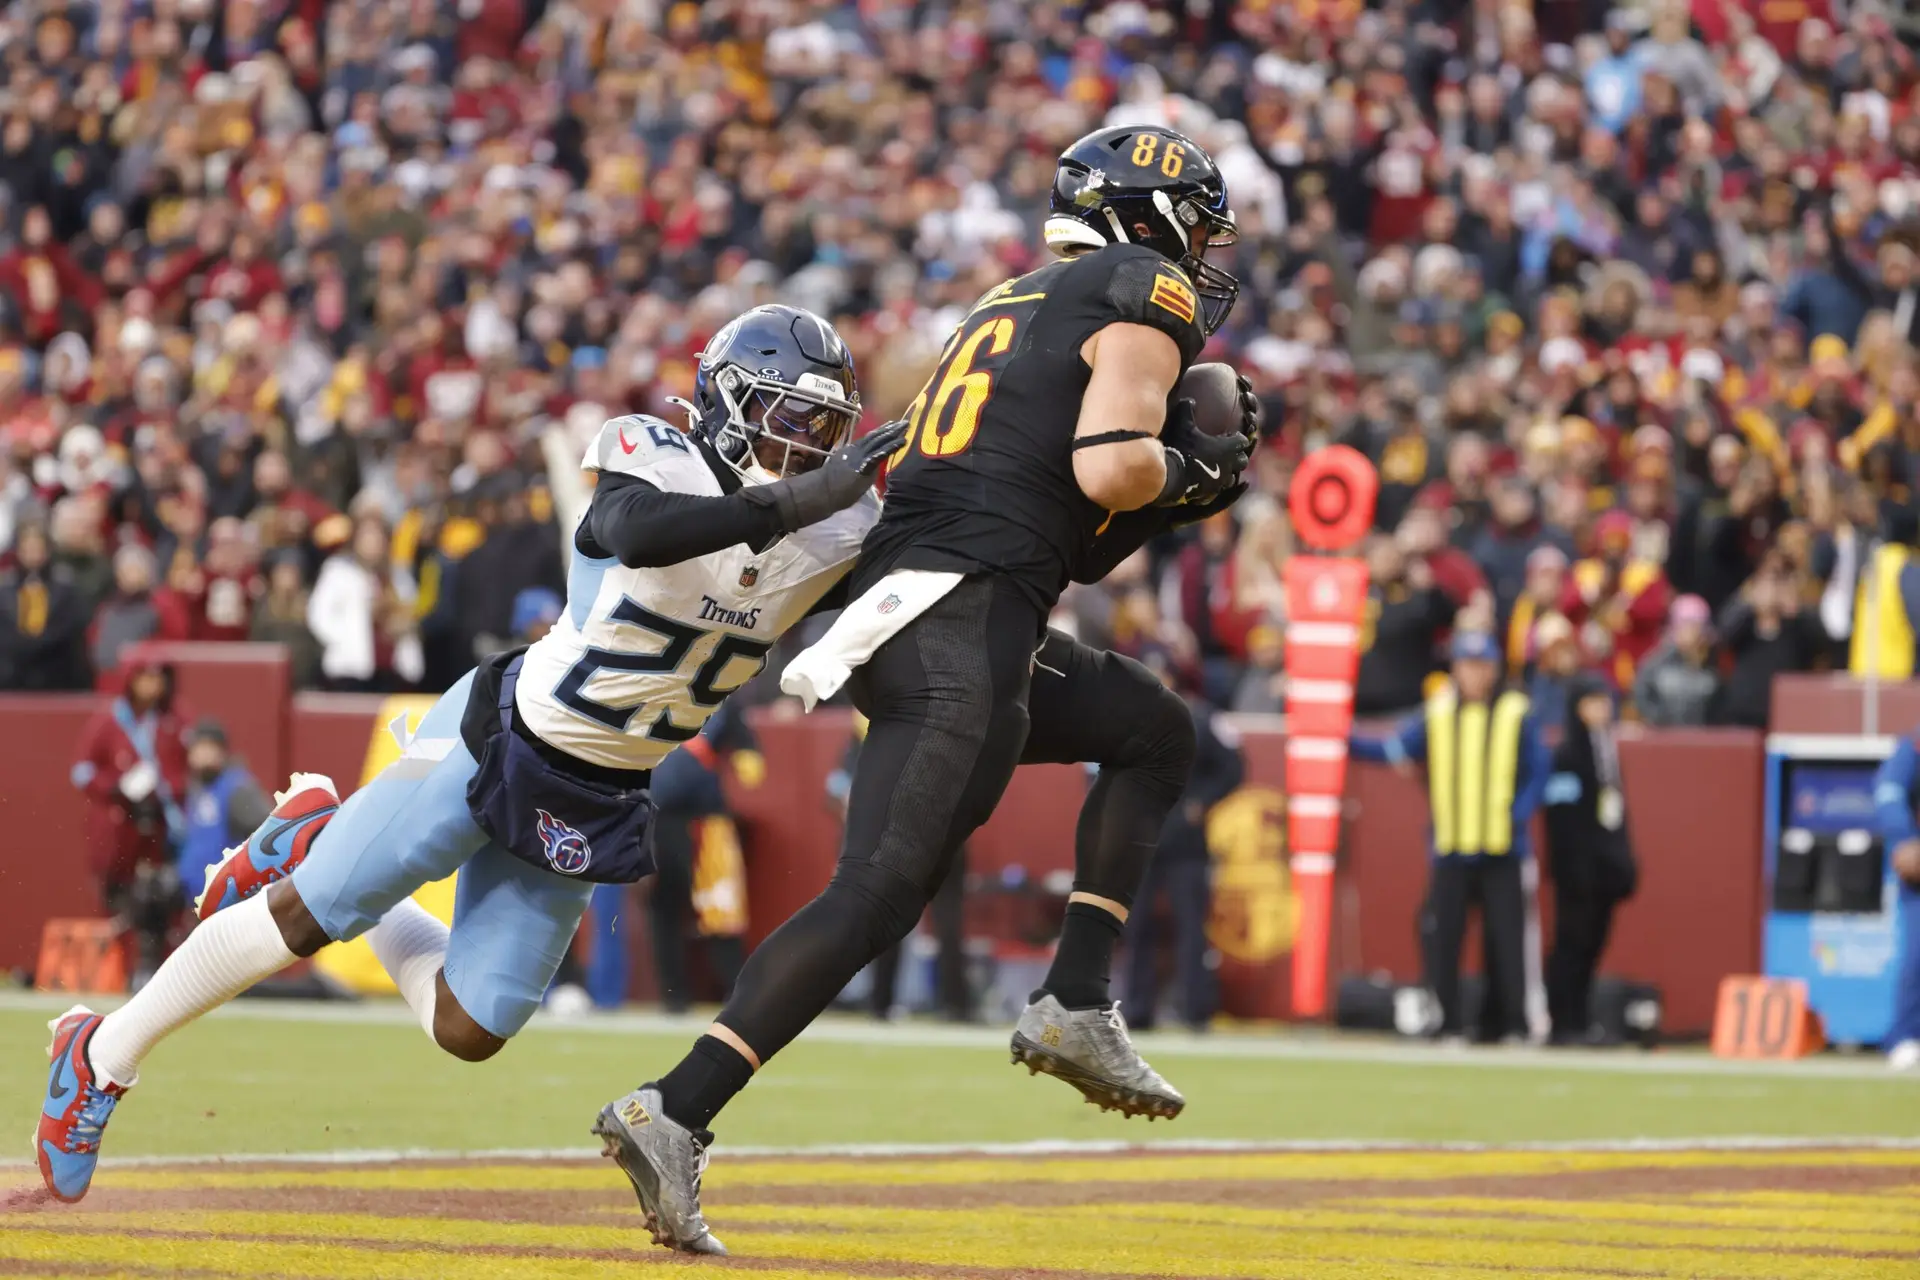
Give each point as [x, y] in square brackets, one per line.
[1118, 459]
[647, 528]
[836, 484]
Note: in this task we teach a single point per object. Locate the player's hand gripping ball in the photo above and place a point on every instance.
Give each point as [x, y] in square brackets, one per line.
[1223, 401]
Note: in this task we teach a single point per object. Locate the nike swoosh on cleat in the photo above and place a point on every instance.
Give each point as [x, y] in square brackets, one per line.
[60, 1084]
[269, 838]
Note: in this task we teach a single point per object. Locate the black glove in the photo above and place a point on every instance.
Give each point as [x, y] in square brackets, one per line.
[1249, 409]
[1200, 467]
[834, 485]
[1179, 517]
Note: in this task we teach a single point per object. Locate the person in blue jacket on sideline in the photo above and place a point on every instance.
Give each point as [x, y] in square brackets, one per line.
[1896, 795]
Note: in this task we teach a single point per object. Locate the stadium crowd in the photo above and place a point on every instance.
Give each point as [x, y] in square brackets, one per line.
[1620, 298]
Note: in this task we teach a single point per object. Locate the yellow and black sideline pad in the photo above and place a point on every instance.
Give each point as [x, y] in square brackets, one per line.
[1777, 1214]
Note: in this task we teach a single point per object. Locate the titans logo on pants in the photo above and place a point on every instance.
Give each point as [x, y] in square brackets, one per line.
[567, 850]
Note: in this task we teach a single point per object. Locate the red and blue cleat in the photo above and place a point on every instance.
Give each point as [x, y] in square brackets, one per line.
[277, 846]
[76, 1110]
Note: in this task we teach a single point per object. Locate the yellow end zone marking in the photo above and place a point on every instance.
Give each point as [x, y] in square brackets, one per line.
[1759, 1234]
[1649, 1225]
[1133, 1238]
[1410, 1166]
[245, 1258]
[1847, 1212]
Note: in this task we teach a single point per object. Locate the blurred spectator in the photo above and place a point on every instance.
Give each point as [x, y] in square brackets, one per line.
[265, 275]
[1589, 852]
[133, 768]
[223, 806]
[1769, 630]
[1180, 868]
[1677, 684]
[1542, 588]
[361, 611]
[1617, 599]
[1505, 546]
[43, 620]
[1873, 597]
[1424, 540]
[1555, 668]
[138, 610]
[280, 617]
[516, 554]
[1406, 614]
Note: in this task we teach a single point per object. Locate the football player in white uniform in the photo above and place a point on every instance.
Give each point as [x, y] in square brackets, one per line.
[529, 777]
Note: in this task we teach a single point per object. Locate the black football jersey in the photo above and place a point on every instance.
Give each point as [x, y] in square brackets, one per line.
[984, 482]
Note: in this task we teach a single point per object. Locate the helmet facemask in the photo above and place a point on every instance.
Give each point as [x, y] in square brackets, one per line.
[1201, 229]
[773, 430]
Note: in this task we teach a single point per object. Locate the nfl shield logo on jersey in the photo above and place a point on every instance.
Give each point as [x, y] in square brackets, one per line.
[567, 850]
[888, 605]
[750, 575]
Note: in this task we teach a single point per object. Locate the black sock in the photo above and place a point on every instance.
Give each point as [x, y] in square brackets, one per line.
[1078, 978]
[705, 1081]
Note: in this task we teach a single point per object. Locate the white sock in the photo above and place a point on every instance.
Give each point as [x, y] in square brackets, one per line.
[411, 946]
[221, 958]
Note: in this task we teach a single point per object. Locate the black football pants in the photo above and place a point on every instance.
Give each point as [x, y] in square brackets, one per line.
[956, 700]
[1580, 927]
[1494, 884]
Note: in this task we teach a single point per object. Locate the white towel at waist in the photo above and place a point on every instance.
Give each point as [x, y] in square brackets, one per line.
[862, 627]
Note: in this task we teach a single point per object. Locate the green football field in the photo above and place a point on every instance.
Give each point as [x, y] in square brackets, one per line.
[267, 1078]
[344, 1147]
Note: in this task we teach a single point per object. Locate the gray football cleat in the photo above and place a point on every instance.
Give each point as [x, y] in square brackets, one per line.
[1089, 1049]
[664, 1160]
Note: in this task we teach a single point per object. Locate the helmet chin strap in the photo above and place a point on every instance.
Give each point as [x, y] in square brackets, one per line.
[1165, 206]
[686, 407]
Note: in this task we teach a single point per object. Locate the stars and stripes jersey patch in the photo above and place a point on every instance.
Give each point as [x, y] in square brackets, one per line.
[1172, 293]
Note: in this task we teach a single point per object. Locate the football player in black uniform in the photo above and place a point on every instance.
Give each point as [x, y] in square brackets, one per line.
[1044, 449]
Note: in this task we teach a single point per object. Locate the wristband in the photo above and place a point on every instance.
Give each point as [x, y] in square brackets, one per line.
[1176, 486]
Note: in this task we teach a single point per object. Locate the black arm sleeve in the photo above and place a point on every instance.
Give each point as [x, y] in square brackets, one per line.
[645, 528]
[1125, 534]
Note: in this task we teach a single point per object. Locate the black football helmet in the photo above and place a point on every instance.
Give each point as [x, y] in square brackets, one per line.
[774, 393]
[1141, 184]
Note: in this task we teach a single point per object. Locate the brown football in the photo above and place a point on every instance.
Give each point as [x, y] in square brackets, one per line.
[1214, 389]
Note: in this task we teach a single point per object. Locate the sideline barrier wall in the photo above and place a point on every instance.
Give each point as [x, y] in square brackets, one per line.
[1694, 805]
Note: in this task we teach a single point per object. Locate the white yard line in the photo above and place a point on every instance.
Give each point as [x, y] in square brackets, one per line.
[1051, 1147]
[1308, 1045]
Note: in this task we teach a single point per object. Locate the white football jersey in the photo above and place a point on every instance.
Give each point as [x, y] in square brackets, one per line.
[642, 657]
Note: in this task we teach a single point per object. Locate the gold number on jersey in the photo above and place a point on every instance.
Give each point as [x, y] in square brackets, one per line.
[1172, 160]
[956, 378]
